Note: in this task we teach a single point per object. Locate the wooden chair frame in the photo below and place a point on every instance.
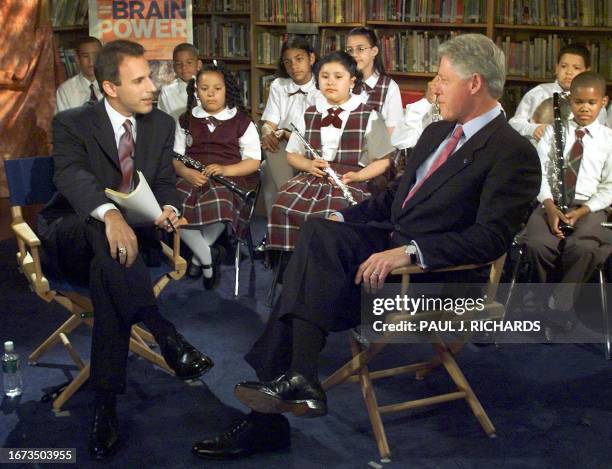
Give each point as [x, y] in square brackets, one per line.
[356, 369]
[80, 307]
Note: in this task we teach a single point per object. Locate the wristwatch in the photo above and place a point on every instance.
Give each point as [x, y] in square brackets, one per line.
[411, 251]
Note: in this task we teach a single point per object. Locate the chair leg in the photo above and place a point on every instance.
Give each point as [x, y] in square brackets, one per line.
[462, 383]
[436, 361]
[144, 335]
[367, 390]
[249, 243]
[73, 387]
[71, 323]
[352, 367]
[605, 313]
[237, 269]
[515, 272]
[145, 352]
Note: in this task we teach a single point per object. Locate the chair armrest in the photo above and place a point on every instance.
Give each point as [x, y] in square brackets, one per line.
[23, 231]
[415, 269]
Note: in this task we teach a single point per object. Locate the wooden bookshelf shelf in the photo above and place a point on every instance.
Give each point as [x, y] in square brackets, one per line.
[65, 29]
[340, 25]
[270, 24]
[266, 66]
[413, 74]
[229, 59]
[428, 25]
[556, 29]
[222, 13]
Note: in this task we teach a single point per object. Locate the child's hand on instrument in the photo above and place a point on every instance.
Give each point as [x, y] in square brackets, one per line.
[195, 177]
[215, 170]
[316, 167]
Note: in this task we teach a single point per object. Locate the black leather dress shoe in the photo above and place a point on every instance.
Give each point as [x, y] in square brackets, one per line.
[247, 437]
[104, 438]
[193, 270]
[290, 392]
[217, 254]
[186, 361]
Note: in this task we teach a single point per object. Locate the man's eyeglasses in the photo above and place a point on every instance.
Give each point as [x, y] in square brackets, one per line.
[358, 50]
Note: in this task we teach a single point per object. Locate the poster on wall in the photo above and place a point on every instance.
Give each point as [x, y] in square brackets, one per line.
[158, 25]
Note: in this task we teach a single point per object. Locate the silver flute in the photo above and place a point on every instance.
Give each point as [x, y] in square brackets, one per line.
[330, 172]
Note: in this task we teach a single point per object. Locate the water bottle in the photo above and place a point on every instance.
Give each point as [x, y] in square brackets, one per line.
[11, 371]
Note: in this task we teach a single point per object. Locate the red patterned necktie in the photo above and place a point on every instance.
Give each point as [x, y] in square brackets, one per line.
[299, 91]
[126, 154]
[442, 157]
[92, 94]
[575, 157]
[332, 118]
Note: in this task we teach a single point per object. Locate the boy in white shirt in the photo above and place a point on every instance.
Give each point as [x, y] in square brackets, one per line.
[572, 60]
[588, 189]
[173, 97]
[82, 88]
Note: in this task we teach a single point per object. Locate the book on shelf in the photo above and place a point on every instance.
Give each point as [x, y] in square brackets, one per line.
[512, 97]
[68, 57]
[415, 51]
[570, 13]
[269, 45]
[243, 78]
[66, 13]
[222, 39]
[217, 6]
[310, 11]
[536, 57]
[264, 90]
[428, 11]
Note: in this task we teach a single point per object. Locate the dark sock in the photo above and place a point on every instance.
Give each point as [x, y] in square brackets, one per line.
[265, 419]
[308, 341]
[159, 326]
[105, 398]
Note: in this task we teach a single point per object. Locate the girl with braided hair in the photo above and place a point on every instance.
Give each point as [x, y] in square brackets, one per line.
[219, 134]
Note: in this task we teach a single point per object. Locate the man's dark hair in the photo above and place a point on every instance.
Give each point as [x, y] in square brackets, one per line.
[185, 47]
[576, 49]
[589, 79]
[87, 40]
[110, 57]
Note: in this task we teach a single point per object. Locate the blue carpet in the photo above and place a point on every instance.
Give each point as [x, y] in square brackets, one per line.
[551, 405]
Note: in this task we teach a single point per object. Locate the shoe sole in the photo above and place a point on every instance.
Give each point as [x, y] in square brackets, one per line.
[242, 455]
[268, 404]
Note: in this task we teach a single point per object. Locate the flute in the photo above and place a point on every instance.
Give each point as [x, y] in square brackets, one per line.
[330, 172]
[231, 185]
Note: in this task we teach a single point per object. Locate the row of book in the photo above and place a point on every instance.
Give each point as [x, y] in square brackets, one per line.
[537, 57]
[264, 90]
[68, 57]
[583, 13]
[269, 44]
[217, 6]
[215, 39]
[428, 11]
[310, 11]
[66, 13]
[243, 77]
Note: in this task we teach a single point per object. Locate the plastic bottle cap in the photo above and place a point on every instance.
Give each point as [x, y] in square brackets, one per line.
[9, 346]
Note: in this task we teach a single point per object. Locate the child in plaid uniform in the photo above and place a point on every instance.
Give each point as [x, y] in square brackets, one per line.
[349, 135]
[219, 134]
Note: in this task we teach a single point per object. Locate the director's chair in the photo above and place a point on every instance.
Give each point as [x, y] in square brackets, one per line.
[364, 351]
[30, 182]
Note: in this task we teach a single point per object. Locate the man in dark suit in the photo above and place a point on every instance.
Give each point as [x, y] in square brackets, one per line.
[87, 238]
[465, 191]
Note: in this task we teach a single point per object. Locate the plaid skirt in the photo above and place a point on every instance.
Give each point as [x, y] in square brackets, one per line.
[302, 197]
[213, 203]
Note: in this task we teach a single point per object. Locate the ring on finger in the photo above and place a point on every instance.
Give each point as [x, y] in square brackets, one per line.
[122, 250]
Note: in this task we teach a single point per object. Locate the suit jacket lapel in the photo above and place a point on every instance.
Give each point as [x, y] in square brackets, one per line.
[104, 134]
[462, 158]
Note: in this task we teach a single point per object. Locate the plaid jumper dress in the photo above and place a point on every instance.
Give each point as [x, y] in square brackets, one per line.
[377, 95]
[213, 202]
[305, 195]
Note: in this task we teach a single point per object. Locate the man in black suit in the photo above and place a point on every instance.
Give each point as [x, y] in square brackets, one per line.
[100, 146]
[465, 191]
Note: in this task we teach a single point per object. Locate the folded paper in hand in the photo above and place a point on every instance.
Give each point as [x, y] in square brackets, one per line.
[140, 205]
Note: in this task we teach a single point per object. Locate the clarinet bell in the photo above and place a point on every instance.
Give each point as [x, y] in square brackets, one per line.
[566, 229]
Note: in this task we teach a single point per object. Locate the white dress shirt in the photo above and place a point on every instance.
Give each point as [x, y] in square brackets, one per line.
[250, 147]
[594, 183]
[173, 98]
[391, 111]
[407, 132]
[377, 141]
[282, 109]
[521, 122]
[75, 92]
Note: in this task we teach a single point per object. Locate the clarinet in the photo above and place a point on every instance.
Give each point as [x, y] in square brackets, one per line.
[330, 172]
[244, 194]
[559, 144]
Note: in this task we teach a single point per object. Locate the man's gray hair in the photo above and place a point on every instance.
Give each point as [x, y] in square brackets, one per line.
[476, 53]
